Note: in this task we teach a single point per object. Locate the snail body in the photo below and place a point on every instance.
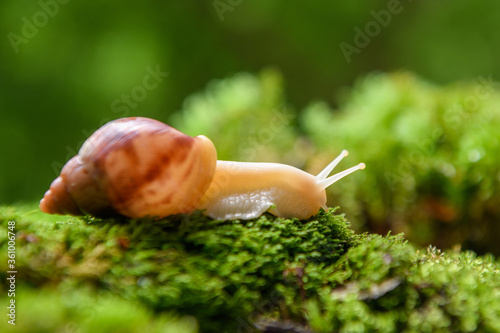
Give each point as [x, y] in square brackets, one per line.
[140, 167]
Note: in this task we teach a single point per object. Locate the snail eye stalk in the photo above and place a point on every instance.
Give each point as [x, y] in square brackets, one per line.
[326, 171]
[325, 182]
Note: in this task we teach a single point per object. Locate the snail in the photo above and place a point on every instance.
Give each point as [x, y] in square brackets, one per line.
[140, 167]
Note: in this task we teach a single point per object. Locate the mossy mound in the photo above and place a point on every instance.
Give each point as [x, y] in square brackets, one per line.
[431, 156]
[190, 272]
[385, 286]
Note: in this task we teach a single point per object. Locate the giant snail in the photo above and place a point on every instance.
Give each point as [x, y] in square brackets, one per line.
[140, 167]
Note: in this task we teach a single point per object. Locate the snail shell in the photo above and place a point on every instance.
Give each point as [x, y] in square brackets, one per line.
[135, 167]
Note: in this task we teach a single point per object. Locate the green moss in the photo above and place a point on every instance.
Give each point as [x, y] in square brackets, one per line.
[431, 157]
[416, 292]
[189, 271]
[49, 310]
[216, 271]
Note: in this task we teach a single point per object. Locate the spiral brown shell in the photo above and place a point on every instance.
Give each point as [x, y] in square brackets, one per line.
[136, 167]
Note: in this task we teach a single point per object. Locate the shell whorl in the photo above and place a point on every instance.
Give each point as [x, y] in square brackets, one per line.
[135, 167]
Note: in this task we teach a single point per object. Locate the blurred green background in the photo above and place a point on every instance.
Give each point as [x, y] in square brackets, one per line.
[68, 67]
